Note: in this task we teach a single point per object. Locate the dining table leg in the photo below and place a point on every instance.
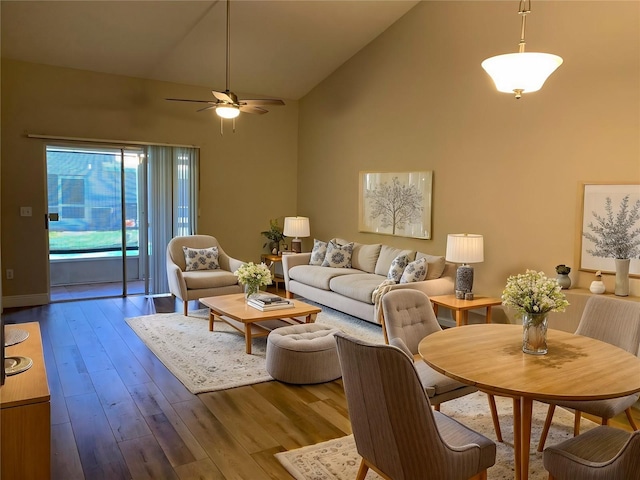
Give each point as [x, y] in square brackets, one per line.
[517, 437]
[526, 412]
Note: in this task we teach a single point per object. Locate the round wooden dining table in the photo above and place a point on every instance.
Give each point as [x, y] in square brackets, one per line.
[490, 357]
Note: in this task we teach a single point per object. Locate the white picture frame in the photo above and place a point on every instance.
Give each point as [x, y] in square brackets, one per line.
[396, 203]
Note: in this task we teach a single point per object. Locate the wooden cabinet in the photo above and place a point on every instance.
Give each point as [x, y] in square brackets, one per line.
[25, 415]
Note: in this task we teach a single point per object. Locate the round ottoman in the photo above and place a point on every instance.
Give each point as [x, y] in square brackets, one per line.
[303, 354]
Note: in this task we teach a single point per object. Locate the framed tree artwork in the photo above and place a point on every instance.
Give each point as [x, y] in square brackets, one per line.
[396, 203]
[610, 227]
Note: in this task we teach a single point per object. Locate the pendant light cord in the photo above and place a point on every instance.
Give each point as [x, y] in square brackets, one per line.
[523, 10]
[228, 44]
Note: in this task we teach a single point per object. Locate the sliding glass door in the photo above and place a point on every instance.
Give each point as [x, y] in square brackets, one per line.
[95, 209]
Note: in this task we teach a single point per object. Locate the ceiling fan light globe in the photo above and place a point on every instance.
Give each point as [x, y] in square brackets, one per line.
[227, 111]
[524, 71]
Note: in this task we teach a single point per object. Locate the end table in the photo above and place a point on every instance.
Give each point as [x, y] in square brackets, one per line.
[462, 307]
[270, 260]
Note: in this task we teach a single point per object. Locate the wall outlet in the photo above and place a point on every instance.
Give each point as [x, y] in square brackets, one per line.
[9, 273]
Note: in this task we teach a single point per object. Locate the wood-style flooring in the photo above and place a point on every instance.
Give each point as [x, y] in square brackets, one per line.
[118, 413]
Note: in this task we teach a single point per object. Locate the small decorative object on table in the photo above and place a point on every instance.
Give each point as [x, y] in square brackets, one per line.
[534, 295]
[253, 277]
[563, 276]
[616, 236]
[274, 236]
[597, 286]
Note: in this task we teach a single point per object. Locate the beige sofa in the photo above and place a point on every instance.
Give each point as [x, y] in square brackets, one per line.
[350, 290]
[193, 285]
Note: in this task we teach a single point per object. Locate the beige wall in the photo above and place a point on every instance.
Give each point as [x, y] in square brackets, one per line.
[417, 99]
[246, 178]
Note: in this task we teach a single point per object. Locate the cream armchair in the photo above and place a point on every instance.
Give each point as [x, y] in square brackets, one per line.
[197, 284]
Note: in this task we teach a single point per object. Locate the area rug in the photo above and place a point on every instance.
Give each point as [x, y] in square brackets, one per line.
[338, 459]
[207, 361]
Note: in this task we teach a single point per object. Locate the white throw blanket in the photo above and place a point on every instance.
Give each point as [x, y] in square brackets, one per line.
[376, 298]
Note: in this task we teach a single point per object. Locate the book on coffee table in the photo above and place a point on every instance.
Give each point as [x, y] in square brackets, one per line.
[269, 299]
[268, 307]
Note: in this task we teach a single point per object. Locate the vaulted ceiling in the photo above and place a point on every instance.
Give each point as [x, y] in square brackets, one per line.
[278, 48]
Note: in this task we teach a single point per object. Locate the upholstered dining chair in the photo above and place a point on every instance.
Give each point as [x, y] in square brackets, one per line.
[603, 453]
[617, 322]
[408, 317]
[396, 432]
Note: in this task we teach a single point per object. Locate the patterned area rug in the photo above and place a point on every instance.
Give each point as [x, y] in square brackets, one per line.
[338, 459]
[206, 361]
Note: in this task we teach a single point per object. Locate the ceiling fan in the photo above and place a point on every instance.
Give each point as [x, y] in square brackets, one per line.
[227, 104]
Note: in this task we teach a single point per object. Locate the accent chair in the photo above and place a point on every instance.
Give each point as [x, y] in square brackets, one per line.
[396, 432]
[407, 318]
[207, 281]
[617, 322]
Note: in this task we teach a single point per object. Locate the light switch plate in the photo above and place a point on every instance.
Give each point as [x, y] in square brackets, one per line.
[25, 211]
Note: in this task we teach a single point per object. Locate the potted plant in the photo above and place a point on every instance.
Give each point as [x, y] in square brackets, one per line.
[618, 237]
[274, 236]
[563, 276]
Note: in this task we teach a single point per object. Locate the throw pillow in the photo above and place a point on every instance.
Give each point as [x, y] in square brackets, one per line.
[201, 258]
[415, 271]
[397, 267]
[318, 252]
[338, 256]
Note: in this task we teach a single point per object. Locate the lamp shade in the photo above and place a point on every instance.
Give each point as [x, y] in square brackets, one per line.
[465, 248]
[227, 111]
[296, 227]
[522, 72]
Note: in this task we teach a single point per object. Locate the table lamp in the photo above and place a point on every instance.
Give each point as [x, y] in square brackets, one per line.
[464, 248]
[296, 227]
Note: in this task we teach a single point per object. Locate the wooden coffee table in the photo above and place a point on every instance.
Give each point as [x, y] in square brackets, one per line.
[233, 310]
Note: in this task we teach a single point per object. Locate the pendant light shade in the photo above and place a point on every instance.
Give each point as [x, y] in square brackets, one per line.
[525, 72]
[521, 72]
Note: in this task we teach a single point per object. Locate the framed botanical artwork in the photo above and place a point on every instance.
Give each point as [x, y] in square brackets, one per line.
[396, 203]
[610, 227]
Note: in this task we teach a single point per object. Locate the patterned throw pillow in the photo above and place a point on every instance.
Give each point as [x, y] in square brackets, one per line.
[338, 256]
[318, 253]
[397, 267]
[201, 258]
[415, 271]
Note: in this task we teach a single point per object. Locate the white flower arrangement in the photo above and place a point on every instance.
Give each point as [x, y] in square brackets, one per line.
[256, 275]
[533, 292]
[615, 236]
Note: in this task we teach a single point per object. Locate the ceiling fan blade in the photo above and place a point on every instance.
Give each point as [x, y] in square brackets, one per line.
[252, 109]
[187, 100]
[208, 107]
[224, 96]
[261, 101]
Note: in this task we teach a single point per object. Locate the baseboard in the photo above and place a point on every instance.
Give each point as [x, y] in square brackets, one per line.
[25, 300]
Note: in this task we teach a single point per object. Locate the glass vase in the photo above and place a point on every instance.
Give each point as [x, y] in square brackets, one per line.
[251, 289]
[534, 333]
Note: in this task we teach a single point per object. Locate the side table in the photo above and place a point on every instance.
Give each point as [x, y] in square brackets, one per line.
[270, 261]
[462, 307]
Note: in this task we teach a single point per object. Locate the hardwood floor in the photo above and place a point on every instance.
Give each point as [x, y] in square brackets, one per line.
[118, 413]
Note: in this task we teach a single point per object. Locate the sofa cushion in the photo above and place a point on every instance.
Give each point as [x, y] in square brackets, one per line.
[199, 279]
[318, 253]
[201, 258]
[415, 272]
[387, 254]
[397, 267]
[364, 257]
[436, 265]
[318, 277]
[338, 256]
[359, 286]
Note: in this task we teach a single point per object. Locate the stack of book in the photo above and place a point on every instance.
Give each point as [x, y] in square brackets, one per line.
[266, 302]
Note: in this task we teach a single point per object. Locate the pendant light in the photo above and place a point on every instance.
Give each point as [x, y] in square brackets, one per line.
[521, 72]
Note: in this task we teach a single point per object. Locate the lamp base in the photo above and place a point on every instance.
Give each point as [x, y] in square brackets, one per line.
[464, 278]
[296, 245]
